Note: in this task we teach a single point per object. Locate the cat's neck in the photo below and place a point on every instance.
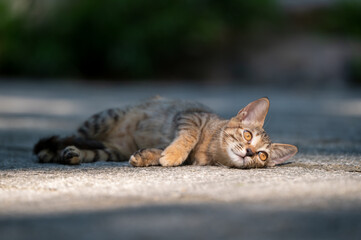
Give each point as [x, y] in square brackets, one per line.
[204, 151]
[214, 150]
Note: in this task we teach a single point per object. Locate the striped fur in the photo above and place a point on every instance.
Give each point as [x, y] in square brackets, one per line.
[169, 133]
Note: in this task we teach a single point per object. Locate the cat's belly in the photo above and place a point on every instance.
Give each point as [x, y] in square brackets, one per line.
[153, 134]
[140, 130]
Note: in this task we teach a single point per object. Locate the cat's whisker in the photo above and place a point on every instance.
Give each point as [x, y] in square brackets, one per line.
[220, 164]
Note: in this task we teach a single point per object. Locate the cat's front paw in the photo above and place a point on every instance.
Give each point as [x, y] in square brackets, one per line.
[145, 157]
[136, 160]
[70, 155]
[172, 158]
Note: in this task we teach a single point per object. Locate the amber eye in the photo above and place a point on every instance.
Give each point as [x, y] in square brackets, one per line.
[263, 156]
[247, 135]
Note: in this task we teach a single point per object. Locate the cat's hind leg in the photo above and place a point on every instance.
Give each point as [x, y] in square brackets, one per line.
[48, 156]
[146, 157]
[75, 150]
[72, 155]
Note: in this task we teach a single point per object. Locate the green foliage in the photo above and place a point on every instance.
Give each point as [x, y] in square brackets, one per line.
[343, 18]
[124, 38]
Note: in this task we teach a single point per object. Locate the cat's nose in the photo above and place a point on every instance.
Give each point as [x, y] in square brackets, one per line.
[249, 152]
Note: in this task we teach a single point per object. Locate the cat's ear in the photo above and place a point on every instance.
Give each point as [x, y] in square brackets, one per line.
[280, 153]
[255, 112]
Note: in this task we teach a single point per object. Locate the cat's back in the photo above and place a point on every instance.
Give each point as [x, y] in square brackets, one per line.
[157, 114]
[151, 123]
[168, 107]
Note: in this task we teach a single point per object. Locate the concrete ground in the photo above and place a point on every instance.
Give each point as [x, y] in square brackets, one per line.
[315, 195]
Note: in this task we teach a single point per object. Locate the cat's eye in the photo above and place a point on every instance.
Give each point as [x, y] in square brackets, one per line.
[247, 135]
[263, 156]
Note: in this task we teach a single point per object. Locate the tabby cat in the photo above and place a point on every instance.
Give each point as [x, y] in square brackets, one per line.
[170, 133]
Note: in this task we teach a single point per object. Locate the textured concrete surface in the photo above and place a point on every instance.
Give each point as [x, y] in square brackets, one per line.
[316, 195]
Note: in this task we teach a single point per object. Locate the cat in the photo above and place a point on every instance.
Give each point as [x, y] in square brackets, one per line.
[168, 132]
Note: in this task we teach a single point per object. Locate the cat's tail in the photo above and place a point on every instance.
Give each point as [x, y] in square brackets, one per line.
[54, 149]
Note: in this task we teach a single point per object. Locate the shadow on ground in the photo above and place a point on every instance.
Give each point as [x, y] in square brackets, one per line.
[214, 221]
[317, 195]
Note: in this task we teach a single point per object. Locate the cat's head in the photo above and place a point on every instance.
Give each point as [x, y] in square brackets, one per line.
[246, 145]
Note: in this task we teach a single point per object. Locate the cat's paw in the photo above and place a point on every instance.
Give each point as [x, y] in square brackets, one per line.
[46, 156]
[172, 157]
[70, 155]
[145, 158]
[136, 160]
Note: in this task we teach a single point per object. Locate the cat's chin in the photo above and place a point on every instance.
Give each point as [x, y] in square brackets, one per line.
[237, 159]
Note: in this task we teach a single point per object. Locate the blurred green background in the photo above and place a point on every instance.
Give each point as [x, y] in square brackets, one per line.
[189, 39]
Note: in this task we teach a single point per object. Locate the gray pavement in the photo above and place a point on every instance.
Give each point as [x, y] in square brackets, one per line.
[316, 195]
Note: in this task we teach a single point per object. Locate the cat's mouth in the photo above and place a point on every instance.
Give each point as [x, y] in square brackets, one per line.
[238, 159]
[239, 155]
